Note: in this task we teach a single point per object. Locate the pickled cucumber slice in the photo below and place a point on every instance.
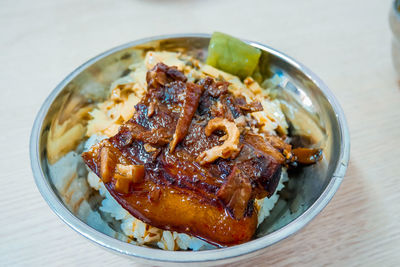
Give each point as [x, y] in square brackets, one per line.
[232, 55]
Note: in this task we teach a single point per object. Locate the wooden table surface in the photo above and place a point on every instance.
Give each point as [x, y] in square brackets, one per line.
[347, 43]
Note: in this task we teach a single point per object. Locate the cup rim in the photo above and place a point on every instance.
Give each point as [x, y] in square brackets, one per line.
[394, 8]
[148, 254]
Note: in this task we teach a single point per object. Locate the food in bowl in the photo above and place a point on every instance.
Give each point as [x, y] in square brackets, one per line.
[193, 153]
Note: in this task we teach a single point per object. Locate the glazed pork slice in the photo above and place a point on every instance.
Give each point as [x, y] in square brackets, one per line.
[189, 161]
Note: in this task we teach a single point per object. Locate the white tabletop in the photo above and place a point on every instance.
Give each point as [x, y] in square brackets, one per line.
[347, 43]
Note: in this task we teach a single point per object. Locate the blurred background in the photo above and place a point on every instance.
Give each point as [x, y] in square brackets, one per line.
[346, 43]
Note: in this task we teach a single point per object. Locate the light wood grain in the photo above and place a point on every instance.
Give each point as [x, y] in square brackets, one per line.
[347, 43]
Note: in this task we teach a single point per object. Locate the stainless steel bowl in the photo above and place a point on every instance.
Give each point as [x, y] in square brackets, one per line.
[315, 112]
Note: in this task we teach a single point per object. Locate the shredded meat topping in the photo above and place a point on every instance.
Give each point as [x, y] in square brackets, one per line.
[235, 193]
[229, 148]
[263, 146]
[107, 164]
[192, 98]
[307, 155]
[126, 175]
[161, 74]
[248, 107]
[160, 136]
[134, 173]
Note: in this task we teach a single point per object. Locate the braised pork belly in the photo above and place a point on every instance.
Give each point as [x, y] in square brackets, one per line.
[191, 160]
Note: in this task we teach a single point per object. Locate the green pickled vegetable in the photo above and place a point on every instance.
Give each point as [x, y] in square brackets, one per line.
[232, 55]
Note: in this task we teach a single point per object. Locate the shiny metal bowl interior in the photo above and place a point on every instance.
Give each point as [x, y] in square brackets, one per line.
[313, 187]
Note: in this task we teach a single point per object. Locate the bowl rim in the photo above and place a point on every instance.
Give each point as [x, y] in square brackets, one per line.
[145, 253]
